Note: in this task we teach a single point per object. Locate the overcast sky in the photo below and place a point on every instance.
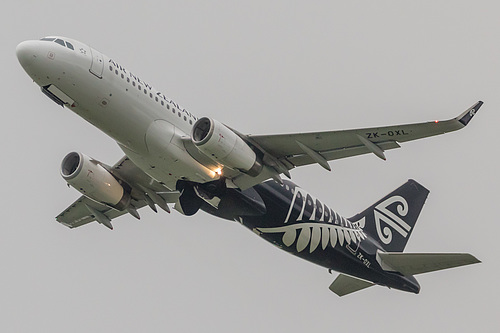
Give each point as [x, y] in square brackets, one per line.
[260, 67]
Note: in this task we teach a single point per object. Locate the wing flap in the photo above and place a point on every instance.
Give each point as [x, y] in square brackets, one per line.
[419, 263]
[345, 284]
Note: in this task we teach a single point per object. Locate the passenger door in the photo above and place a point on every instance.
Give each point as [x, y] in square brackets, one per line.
[97, 65]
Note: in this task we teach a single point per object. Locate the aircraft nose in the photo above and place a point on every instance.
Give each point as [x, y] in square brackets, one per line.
[26, 53]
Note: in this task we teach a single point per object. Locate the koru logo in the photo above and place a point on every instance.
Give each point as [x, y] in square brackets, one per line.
[383, 214]
[472, 112]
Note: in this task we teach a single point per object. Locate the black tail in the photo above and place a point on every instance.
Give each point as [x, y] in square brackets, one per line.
[391, 220]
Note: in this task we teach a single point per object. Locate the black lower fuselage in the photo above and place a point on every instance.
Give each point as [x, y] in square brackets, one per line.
[295, 221]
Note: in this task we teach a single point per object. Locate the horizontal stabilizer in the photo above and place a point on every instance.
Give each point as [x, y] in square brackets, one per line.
[418, 263]
[345, 284]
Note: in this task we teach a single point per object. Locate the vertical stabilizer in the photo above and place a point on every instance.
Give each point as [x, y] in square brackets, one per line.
[390, 221]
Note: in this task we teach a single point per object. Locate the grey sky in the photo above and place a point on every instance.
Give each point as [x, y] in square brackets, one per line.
[261, 67]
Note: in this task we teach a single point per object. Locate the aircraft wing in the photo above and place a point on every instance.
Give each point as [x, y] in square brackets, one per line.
[79, 214]
[296, 148]
[283, 152]
[144, 191]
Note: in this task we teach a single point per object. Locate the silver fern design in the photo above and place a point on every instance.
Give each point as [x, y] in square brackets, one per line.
[314, 234]
[310, 205]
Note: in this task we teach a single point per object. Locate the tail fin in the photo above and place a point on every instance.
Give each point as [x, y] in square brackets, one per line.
[391, 220]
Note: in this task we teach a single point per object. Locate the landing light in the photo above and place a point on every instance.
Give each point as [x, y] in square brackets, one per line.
[218, 171]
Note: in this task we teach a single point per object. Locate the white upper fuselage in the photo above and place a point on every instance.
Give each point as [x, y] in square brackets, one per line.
[146, 124]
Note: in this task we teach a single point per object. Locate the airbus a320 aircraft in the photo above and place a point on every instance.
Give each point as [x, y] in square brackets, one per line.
[173, 157]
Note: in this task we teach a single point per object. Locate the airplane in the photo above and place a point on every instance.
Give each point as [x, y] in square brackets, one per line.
[174, 157]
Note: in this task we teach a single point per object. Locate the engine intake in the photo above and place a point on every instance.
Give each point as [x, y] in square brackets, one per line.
[224, 146]
[91, 179]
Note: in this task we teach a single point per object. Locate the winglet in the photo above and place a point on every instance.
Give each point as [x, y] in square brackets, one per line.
[467, 115]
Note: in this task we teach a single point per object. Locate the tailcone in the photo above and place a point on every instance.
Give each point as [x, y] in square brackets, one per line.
[410, 284]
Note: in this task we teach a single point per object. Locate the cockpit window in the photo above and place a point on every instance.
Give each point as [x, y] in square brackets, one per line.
[59, 41]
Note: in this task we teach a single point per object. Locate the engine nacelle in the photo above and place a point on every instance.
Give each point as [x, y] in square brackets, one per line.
[90, 178]
[222, 145]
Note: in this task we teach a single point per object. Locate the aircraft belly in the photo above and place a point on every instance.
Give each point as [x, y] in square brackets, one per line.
[168, 158]
[120, 117]
[166, 166]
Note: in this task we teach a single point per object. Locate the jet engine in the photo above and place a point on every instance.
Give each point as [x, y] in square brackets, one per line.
[224, 146]
[90, 178]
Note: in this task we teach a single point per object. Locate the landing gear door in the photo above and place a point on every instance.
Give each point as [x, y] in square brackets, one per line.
[97, 65]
